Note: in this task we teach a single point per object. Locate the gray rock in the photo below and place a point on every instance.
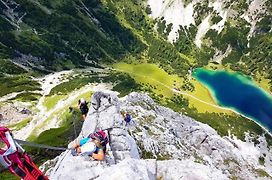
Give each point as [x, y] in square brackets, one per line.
[190, 149]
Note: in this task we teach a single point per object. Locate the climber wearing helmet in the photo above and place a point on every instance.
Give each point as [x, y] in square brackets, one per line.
[127, 118]
[94, 146]
[83, 106]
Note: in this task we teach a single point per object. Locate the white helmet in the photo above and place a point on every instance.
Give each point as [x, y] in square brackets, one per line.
[82, 101]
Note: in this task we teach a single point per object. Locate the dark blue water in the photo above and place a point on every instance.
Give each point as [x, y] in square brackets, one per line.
[236, 91]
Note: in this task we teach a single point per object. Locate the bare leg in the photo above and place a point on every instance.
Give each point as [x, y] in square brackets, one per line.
[75, 144]
[78, 150]
[83, 117]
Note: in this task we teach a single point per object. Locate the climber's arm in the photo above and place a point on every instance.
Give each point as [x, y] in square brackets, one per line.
[99, 156]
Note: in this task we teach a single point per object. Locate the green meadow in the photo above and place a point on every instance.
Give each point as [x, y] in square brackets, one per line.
[197, 103]
[165, 85]
[59, 113]
[20, 124]
[51, 101]
[152, 76]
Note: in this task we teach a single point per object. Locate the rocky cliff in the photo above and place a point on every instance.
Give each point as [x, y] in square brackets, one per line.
[159, 144]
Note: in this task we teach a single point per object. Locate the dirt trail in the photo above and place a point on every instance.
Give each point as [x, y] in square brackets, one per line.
[47, 83]
[38, 124]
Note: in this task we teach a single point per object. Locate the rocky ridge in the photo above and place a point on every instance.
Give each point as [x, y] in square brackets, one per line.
[252, 12]
[159, 143]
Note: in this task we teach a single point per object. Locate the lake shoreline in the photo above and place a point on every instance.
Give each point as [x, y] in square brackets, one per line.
[245, 80]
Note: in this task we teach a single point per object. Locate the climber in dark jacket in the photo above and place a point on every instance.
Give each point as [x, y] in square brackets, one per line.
[127, 118]
[83, 106]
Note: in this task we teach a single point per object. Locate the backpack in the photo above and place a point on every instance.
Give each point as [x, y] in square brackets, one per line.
[84, 108]
[16, 160]
[102, 136]
[127, 118]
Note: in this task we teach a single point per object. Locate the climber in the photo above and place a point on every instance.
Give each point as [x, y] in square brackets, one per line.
[14, 158]
[127, 118]
[94, 145]
[83, 106]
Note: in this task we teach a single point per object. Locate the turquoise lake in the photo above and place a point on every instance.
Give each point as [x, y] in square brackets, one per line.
[238, 92]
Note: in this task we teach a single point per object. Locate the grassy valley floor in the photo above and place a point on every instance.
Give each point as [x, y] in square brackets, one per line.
[168, 86]
[197, 103]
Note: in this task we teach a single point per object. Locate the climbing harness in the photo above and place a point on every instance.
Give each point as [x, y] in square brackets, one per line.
[14, 158]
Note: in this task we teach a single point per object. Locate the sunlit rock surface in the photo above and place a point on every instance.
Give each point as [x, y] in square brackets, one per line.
[159, 143]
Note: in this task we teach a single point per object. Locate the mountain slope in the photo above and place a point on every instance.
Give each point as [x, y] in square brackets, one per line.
[195, 149]
[54, 35]
[41, 36]
[233, 33]
[58, 34]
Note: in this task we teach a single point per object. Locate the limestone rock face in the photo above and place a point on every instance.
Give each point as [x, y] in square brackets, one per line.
[104, 114]
[158, 144]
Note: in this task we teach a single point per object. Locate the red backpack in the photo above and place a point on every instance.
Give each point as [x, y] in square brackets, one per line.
[13, 157]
